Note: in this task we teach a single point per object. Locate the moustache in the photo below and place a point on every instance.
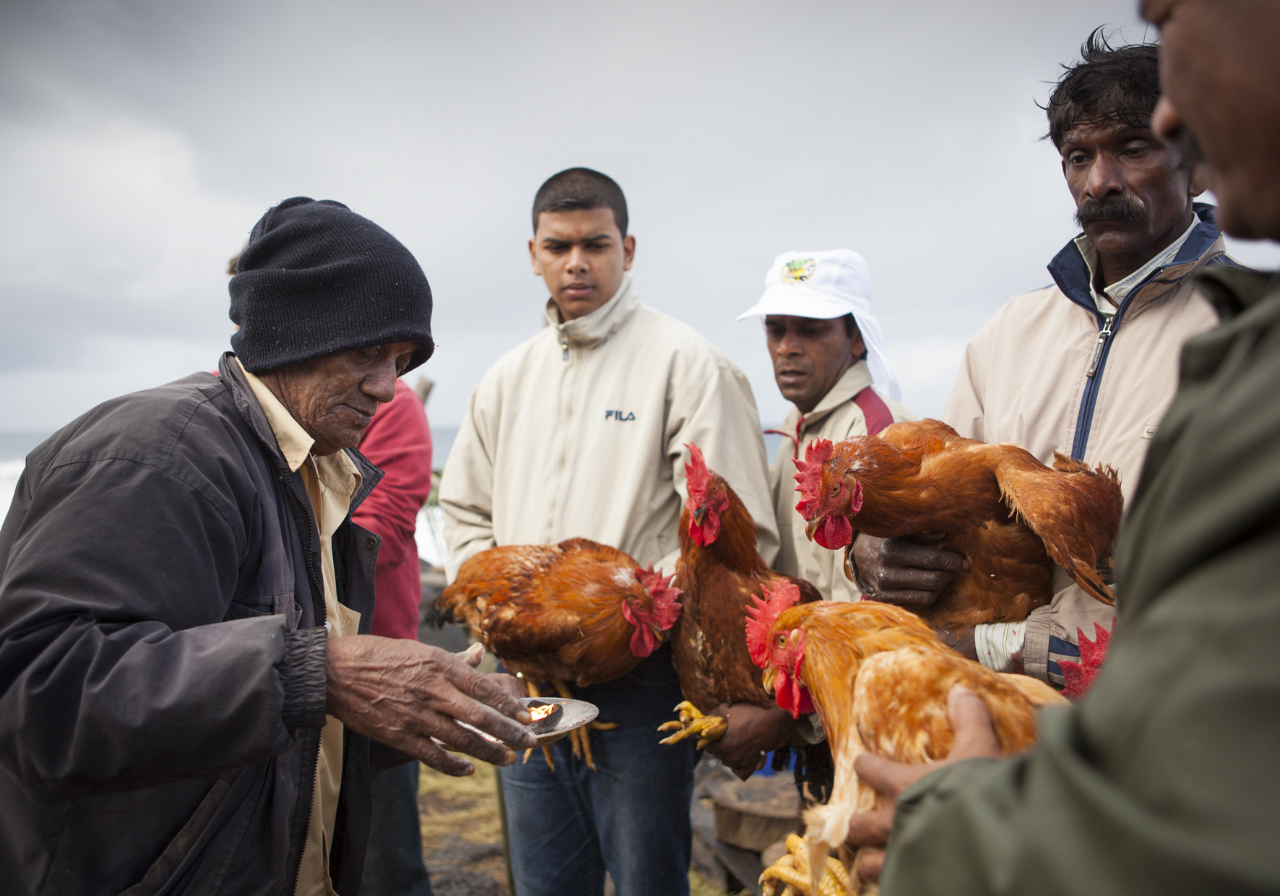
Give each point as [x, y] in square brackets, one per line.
[1111, 208]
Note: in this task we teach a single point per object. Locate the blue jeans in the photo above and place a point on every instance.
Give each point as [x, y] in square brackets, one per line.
[393, 864]
[630, 816]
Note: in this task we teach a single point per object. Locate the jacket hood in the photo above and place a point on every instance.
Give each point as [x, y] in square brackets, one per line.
[591, 330]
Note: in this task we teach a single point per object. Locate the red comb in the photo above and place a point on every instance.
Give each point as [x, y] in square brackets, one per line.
[697, 476]
[808, 476]
[666, 597]
[765, 613]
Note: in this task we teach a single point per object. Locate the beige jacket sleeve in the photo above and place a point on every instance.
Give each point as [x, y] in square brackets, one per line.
[720, 417]
[466, 488]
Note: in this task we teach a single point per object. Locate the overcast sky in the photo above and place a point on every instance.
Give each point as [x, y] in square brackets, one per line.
[141, 139]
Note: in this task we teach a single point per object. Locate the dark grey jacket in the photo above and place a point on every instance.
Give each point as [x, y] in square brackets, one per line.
[162, 681]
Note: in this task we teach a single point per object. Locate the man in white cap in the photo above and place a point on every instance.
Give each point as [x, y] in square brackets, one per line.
[829, 361]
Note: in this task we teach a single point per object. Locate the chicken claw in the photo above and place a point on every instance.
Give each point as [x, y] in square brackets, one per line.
[790, 876]
[579, 738]
[692, 722]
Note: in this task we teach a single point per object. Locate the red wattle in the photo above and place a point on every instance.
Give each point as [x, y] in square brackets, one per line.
[834, 533]
[643, 641]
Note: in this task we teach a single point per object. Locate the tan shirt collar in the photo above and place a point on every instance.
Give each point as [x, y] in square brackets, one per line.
[338, 471]
[853, 381]
[293, 440]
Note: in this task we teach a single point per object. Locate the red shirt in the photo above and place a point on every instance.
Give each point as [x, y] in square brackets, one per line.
[398, 441]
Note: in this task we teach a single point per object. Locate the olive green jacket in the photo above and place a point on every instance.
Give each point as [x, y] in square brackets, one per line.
[1166, 779]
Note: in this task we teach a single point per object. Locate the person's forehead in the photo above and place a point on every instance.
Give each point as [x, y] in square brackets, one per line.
[791, 320]
[1107, 130]
[577, 224]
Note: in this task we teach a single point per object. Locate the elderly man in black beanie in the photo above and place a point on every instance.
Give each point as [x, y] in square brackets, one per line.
[189, 699]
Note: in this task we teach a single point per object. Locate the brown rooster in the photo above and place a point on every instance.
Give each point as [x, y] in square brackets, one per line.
[719, 571]
[1008, 514]
[577, 611]
[879, 679]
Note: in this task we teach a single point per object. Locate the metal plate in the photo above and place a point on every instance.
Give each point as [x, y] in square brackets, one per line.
[573, 714]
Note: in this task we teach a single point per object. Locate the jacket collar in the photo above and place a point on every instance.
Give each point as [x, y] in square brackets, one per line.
[851, 382]
[247, 404]
[591, 330]
[1073, 272]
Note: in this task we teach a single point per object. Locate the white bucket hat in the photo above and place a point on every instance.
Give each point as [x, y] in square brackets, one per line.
[824, 285]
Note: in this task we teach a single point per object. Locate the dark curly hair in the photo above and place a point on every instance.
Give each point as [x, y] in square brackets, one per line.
[1119, 84]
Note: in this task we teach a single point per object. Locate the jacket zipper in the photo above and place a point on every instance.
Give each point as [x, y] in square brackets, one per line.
[287, 479]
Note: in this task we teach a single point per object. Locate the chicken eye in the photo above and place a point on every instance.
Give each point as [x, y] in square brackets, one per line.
[835, 489]
[782, 640]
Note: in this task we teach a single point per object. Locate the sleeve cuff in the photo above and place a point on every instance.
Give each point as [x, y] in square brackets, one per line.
[999, 645]
[810, 729]
[304, 678]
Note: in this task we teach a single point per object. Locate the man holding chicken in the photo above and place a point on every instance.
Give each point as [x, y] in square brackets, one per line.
[580, 431]
[1164, 779]
[1088, 366]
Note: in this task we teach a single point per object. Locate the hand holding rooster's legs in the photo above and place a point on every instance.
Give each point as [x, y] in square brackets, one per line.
[580, 738]
[752, 731]
[693, 723]
[975, 737]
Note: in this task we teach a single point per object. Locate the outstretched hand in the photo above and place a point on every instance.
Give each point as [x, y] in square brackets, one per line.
[403, 694]
[974, 737]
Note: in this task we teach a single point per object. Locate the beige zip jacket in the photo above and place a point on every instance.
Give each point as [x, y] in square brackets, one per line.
[1043, 375]
[835, 417]
[580, 431]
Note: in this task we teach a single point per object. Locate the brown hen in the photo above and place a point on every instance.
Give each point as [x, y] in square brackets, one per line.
[575, 612]
[879, 679]
[1008, 514]
[719, 572]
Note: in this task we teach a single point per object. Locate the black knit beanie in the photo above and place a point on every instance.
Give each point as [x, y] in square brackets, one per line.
[317, 279]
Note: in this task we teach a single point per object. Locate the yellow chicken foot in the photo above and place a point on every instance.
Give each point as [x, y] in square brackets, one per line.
[580, 738]
[693, 723]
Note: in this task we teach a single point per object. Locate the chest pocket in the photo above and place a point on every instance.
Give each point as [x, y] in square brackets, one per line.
[266, 581]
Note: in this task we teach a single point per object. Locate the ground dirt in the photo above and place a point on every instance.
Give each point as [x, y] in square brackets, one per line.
[462, 836]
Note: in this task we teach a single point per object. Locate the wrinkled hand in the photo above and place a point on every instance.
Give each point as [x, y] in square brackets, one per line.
[906, 571]
[974, 737]
[402, 693]
[753, 731]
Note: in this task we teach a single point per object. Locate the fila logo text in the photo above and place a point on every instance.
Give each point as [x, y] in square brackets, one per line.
[621, 416]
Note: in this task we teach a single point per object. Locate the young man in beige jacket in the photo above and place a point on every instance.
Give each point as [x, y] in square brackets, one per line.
[580, 431]
[1089, 365]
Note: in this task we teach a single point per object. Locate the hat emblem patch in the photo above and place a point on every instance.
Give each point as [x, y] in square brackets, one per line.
[798, 270]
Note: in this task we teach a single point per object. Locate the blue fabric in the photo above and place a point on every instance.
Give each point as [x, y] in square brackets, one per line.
[393, 864]
[630, 816]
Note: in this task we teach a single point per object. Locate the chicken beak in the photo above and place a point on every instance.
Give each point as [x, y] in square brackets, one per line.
[810, 527]
[699, 515]
[769, 675]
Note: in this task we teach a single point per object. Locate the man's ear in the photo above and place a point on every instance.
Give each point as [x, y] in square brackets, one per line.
[628, 251]
[1199, 179]
[533, 257]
